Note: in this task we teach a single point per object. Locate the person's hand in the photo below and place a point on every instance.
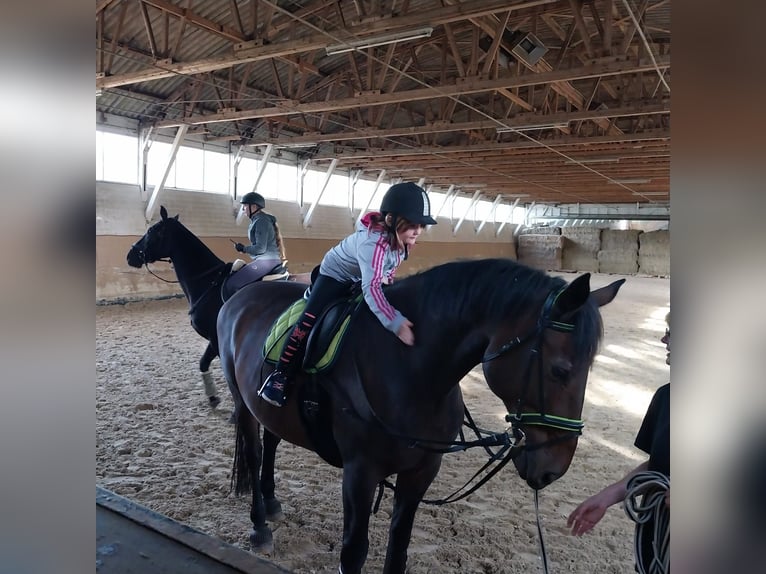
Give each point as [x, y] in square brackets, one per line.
[588, 514]
[239, 247]
[405, 333]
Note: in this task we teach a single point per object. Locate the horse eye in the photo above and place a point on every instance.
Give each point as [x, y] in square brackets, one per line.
[560, 373]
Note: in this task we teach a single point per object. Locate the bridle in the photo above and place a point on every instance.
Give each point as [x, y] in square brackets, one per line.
[542, 418]
[220, 269]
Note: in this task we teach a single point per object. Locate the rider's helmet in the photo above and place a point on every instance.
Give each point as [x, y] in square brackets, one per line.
[408, 201]
[254, 198]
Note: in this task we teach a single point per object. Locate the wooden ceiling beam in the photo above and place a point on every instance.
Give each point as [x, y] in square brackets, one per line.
[521, 120]
[252, 53]
[600, 68]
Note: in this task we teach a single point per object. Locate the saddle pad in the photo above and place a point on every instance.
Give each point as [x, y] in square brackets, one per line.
[282, 327]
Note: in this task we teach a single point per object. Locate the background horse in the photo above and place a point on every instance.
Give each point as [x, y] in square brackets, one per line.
[200, 274]
[536, 336]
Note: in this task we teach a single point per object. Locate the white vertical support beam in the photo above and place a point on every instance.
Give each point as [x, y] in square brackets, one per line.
[510, 216]
[261, 168]
[421, 181]
[235, 173]
[474, 199]
[526, 214]
[327, 176]
[491, 213]
[450, 191]
[145, 142]
[152, 203]
[351, 186]
[381, 175]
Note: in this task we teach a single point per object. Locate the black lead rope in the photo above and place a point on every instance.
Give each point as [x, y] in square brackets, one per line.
[543, 553]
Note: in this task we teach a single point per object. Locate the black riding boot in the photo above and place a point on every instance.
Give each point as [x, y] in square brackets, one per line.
[277, 385]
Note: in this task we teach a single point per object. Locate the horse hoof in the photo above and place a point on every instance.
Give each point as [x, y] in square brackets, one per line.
[214, 401]
[273, 510]
[261, 540]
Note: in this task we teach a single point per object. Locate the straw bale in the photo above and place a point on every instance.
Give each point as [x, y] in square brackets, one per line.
[616, 261]
[581, 247]
[540, 231]
[619, 239]
[541, 251]
[654, 253]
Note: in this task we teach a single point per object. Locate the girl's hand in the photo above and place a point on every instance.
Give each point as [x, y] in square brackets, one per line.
[405, 333]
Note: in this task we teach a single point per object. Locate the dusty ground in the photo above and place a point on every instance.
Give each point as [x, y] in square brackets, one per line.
[159, 444]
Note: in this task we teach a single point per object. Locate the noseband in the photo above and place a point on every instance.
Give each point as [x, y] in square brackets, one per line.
[542, 418]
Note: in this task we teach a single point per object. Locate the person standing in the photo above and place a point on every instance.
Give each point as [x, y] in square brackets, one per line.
[653, 438]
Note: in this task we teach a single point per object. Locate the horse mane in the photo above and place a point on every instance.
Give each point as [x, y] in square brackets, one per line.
[194, 243]
[496, 289]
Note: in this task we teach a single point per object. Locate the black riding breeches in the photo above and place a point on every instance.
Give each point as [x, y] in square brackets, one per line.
[324, 291]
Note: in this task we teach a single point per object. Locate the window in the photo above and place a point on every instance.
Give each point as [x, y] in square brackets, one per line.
[120, 158]
[216, 172]
[156, 162]
[189, 168]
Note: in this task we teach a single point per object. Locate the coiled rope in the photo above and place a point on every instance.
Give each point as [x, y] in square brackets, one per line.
[645, 505]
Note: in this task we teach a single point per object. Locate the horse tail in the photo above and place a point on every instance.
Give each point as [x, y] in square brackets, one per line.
[244, 467]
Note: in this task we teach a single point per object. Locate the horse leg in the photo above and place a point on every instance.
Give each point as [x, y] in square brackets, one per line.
[411, 486]
[271, 503]
[207, 376]
[247, 459]
[358, 491]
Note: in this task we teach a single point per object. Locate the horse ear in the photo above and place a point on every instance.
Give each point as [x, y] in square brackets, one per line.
[574, 296]
[163, 212]
[606, 294]
[176, 217]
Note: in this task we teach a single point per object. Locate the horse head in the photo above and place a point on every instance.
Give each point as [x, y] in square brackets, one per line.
[154, 244]
[545, 397]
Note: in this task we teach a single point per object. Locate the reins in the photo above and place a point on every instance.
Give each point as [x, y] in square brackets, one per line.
[216, 269]
[513, 440]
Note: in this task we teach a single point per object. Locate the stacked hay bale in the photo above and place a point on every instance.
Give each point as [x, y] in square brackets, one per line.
[541, 251]
[619, 251]
[581, 246]
[654, 253]
[540, 230]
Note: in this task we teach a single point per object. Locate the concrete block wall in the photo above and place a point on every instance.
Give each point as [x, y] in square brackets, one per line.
[212, 217]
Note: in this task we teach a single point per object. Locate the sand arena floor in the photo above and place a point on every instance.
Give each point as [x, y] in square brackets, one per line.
[159, 444]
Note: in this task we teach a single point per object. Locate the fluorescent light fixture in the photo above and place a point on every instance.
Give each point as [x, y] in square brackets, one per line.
[364, 43]
[296, 145]
[594, 160]
[651, 193]
[634, 180]
[506, 129]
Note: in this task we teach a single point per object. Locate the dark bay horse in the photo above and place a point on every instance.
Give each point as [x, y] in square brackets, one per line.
[535, 335]
[200, 274]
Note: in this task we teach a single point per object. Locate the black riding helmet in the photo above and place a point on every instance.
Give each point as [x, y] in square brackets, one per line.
[254, 198]
[409, 201]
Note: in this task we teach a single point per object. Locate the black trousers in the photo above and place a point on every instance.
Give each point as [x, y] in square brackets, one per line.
[324, 291]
